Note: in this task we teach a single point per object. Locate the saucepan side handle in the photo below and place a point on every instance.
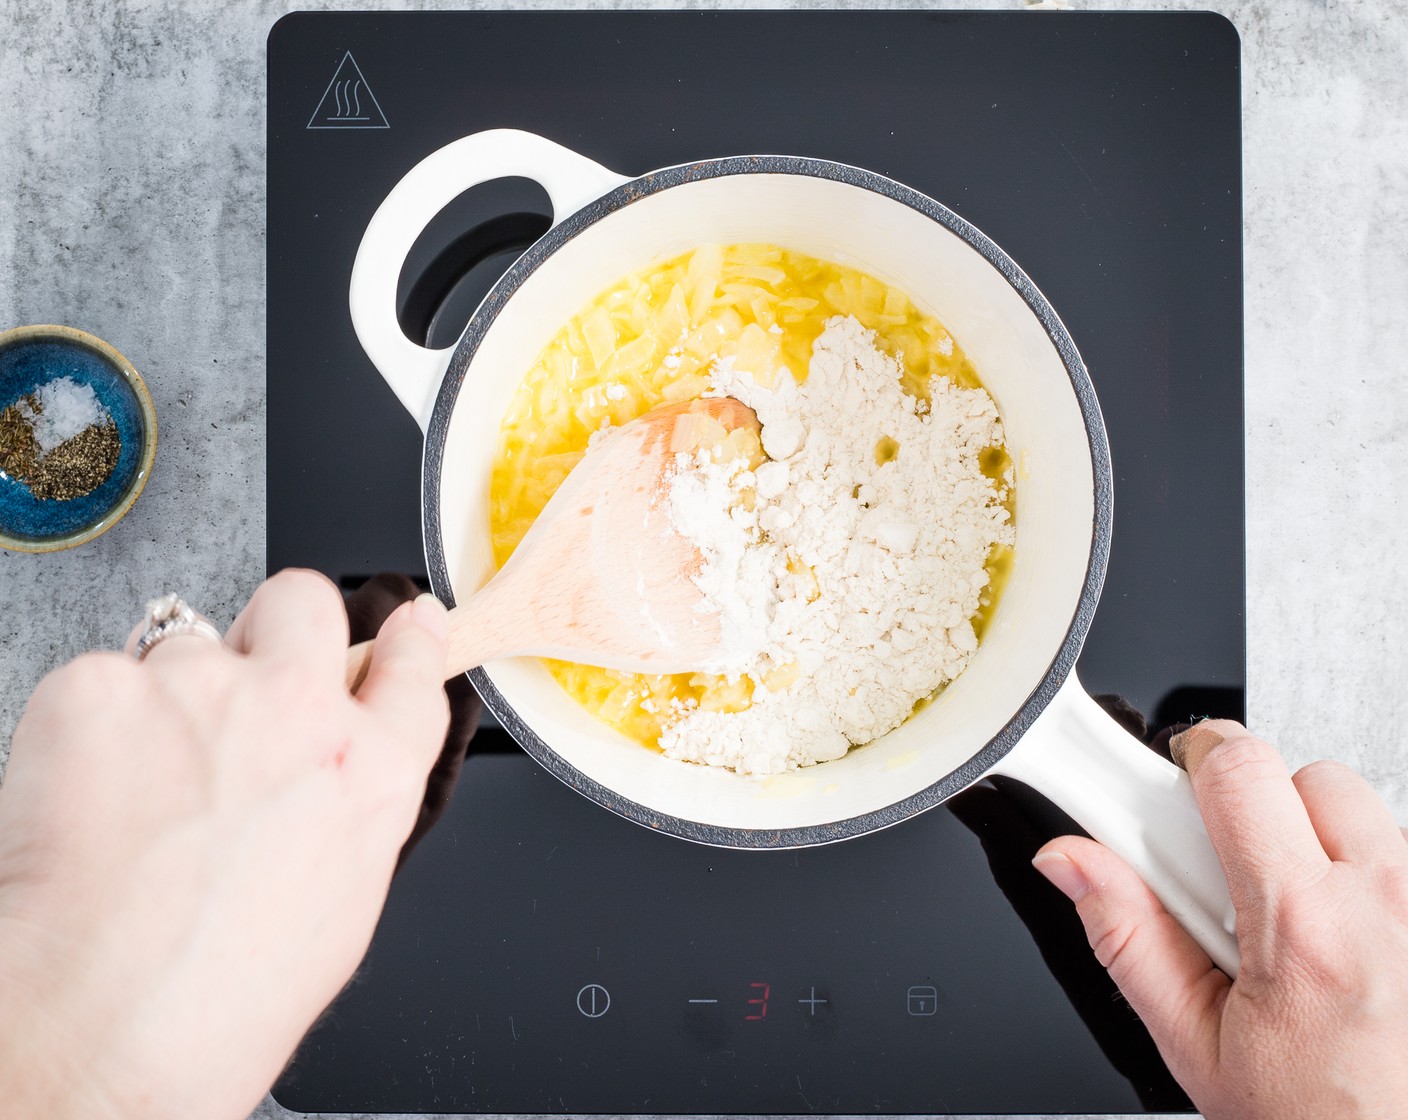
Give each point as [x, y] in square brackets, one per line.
[571, 181]
[1134, 802]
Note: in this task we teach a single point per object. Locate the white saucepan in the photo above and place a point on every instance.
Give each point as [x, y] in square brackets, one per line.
[1017, 710]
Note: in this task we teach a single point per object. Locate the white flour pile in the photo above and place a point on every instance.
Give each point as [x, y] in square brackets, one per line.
[850, 584]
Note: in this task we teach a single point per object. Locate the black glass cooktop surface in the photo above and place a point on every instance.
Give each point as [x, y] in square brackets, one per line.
[538, 954]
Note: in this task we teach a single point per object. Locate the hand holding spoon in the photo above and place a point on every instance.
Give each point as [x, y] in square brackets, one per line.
[602, 577]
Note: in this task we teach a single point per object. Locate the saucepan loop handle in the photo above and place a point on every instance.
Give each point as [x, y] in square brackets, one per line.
[1134, 802]
[415, 372]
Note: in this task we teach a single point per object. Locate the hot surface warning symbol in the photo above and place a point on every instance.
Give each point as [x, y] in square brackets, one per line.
[348, 102]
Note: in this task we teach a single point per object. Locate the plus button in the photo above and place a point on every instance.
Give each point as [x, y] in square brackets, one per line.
[812, 1002]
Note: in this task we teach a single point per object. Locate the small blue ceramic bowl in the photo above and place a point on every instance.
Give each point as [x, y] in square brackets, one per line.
[33, 356]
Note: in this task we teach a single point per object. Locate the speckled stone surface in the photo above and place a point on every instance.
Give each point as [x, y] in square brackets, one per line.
[132, 205]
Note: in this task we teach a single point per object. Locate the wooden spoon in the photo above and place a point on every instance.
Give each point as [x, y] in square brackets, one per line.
[602, 577]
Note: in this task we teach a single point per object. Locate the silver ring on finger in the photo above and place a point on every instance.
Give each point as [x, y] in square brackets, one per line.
[168, 616]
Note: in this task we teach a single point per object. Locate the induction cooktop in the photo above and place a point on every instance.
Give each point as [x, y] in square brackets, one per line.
[538, 954]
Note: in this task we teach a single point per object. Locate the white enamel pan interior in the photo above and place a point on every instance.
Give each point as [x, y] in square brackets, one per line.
[1017, 710]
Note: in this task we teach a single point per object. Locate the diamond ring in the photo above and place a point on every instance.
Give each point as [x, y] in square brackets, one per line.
[167, 617]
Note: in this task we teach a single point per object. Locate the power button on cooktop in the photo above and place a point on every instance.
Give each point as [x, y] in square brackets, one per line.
[593, 1001]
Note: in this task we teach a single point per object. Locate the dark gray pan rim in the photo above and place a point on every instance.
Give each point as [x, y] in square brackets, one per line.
[1061, 664]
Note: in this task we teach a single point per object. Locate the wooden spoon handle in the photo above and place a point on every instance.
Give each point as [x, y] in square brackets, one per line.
[473, 640]
[359, 660]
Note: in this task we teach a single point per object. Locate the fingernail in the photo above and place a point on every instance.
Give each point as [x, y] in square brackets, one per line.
[1063, 874]
[1190, 747]
[430, 615]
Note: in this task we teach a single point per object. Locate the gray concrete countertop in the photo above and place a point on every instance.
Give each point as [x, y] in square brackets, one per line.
[132, 205]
